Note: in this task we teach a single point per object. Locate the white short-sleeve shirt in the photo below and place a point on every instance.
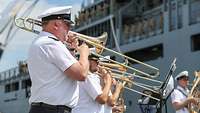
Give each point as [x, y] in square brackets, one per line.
[178, 96]
[89, 90]
[107, 108]
[48, 58]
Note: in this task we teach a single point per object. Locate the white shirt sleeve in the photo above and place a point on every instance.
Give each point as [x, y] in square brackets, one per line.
[176, 96]
[92, 86]
[59, 55]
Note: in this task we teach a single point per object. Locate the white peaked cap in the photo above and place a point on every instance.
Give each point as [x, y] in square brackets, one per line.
[60, 10]
[181, 74]
[105, 59]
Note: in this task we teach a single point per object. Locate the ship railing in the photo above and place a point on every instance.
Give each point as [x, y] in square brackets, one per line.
[12, 73]
[151, 25]
[9, 73]
[92, 13]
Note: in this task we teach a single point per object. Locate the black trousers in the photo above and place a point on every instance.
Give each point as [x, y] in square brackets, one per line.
[46, 108]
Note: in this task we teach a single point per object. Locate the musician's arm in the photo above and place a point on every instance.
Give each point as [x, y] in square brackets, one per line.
[103, 98]
[180, 105]
[114, 97]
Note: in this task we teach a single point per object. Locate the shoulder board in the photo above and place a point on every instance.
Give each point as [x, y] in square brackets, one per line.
[53, 38]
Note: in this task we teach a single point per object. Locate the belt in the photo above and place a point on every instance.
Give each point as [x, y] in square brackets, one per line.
[41, 104]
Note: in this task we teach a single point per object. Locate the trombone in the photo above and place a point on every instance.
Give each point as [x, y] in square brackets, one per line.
[121, 69]
[29, 25]
[129, 80]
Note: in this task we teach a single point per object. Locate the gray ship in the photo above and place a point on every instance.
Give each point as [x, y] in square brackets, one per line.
[151, 31]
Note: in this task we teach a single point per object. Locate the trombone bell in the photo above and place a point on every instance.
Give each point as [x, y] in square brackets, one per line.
[101, 40]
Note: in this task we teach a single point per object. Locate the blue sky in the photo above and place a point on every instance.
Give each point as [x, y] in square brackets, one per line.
[17, 48]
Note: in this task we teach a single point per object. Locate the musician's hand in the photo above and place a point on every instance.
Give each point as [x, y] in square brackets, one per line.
[119, 85]
[107, 78]
[106, 75]
[83, 49]
[74, 44]
[192, 100]
[72, 40]
[102, 71]
[114, 82]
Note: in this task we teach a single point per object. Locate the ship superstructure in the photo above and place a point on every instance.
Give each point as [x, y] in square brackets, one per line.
[15, 89]
[152, 31]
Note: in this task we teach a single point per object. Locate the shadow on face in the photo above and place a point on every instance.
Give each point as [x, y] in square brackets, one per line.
[93, 65]
[183, 81]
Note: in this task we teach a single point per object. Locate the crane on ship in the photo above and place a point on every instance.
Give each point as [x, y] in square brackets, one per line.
[7, 17]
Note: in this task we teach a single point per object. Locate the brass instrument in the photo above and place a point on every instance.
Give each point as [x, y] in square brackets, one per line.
[195, 92]
[120, 101]
[120, 69]
[155, 90]
[128, 80]
[112, 65]
[29, 25]
[120, 106]
[98, 42]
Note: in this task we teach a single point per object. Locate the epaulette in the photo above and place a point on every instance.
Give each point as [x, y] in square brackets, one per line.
[53, 38]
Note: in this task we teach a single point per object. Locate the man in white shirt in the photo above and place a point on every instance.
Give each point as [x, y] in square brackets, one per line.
[95, 97]
[180, 99]
[115, 104]
[53, 70]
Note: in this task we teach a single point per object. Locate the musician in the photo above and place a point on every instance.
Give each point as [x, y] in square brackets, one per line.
[180, 99]
[115, 103]
[115, 99]
[94, 97]
[53, 70]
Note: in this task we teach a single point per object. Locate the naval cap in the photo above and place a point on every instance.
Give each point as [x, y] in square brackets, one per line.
[97, 58]
[182, 74]
[105, 59]
[92, 55]
[60, 12]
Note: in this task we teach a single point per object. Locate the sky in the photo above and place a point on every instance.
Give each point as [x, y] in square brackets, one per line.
[17, 48]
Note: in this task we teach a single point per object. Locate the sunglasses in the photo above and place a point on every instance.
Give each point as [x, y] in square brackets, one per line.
[184, 78]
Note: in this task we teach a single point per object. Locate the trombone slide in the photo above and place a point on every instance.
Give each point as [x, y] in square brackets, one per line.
[99, 44]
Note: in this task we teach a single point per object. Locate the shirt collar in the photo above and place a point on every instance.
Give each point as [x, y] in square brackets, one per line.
[44, 33]
[185, 90]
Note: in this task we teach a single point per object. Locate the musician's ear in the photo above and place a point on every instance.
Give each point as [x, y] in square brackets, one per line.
[56, 24]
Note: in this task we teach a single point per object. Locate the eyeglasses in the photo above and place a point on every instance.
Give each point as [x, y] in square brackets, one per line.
[185, 78]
